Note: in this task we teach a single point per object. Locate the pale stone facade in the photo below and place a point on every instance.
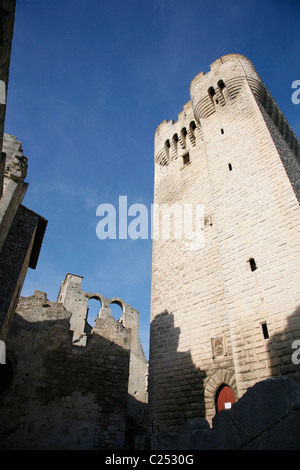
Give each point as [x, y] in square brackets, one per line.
[226, 313]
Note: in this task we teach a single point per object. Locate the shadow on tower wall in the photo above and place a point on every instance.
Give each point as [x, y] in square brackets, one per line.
[175, 384]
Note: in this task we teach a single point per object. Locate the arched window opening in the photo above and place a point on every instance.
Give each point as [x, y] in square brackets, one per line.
[193, 125]
[211, 91]
[167, 147]
[225, 398]
[6, 377]
[94, 306]
[116, 309]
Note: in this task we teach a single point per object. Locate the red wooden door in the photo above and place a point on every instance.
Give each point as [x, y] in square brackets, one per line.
[225, 398]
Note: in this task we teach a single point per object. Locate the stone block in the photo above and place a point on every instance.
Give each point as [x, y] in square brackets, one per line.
[263, 406]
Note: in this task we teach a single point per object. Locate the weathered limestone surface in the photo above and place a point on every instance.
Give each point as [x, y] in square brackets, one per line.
[233, 152]
[267, 417]
[21, 231]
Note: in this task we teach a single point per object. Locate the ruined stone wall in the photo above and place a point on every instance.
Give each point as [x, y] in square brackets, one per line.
[19, 244]
[21, 232]
[228, 311]
[14, 261]
[62, 392]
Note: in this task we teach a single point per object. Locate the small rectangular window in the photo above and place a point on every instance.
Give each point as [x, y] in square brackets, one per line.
[230, 166]
[222, 131]
[186, 158]
[265, 330]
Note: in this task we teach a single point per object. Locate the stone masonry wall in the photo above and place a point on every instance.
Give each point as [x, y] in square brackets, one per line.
[63, 396]
[188, 300]
[14, 261]
[7, 18]
[76, 300]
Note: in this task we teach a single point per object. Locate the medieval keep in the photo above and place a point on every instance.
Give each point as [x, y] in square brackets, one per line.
[224, 316]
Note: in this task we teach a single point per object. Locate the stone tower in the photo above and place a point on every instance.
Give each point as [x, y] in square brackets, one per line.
[225, 314]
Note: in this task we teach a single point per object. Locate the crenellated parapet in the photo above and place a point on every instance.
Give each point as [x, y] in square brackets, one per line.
[174, 140]
[223, 83]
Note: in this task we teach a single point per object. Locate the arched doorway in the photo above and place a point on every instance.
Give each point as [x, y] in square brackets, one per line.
[225, 398]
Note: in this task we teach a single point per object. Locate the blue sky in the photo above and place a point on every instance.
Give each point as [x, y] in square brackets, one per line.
[89, 84]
